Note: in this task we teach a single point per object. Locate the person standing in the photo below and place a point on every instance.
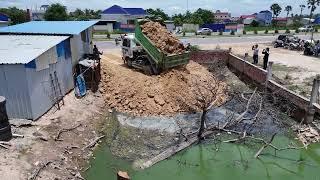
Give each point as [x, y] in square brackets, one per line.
[255, 54]
[266, 53]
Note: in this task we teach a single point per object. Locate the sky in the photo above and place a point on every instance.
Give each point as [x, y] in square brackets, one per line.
[236, 7]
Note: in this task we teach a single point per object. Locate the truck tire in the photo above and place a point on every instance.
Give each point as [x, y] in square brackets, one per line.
[4, 124]
[147, 70]
[5, 133]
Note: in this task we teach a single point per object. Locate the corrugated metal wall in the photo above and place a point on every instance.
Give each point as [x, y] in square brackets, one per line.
[13, 86]
[40, 87]
[28, 91]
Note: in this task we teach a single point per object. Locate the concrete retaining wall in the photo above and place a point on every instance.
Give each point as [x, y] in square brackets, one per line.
[254, 74]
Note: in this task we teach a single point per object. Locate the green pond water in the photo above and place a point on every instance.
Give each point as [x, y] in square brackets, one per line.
[217, 162]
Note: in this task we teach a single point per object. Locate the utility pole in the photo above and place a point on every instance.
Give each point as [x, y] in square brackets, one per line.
[187, 5]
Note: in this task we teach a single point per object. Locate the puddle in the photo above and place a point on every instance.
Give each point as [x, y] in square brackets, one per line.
[217, 161]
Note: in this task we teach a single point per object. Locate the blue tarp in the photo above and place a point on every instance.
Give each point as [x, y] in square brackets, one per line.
[81, 89]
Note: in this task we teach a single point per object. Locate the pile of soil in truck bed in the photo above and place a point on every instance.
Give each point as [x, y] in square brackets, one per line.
[173, 92]
[162, 38]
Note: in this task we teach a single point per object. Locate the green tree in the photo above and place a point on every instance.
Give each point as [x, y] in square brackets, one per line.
[56, 12]
[254, 23]
[288, 9]
[302, 6]
[16, 15]
[276, 9]
[158, 13]
[178, 19]
[312, 5]
[205, 15]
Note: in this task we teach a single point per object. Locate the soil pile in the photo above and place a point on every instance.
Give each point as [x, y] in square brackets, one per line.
[175, 91]
[162, 38]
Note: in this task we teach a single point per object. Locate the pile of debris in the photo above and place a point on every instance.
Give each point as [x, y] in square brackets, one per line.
[308, 135]
[162, 38]
[176, 91]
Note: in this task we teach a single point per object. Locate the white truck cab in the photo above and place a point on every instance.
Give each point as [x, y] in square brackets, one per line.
[128, 47]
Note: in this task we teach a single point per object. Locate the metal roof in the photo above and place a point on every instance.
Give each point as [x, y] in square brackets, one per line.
[3, 17]
[135, 11]
[20, 49]
[49, 27]
[115, 9]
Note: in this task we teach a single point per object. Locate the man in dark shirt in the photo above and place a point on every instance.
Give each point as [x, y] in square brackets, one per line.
[266, 53]
[96, 53]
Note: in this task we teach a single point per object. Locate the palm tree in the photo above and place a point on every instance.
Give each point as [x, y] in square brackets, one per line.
[288, 9]
[276, 9]
[312, 5]
[302, 6]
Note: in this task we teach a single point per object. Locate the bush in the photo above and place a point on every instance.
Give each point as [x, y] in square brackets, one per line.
[194, 48]
[108, 35]
[220, 32]
[266, 31]
[244, 32]
[255, 31]
[288, 31]
[297, 31]
[276, 31]
[254, 23]
[232, 32]
[316, 30]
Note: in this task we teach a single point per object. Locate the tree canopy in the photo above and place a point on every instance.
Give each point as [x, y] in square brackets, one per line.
[276, 9]
[200, 16]
[288, 9]
[56, 12]
[312, 5]
[158, 13]
[84, 15]
[16, 15]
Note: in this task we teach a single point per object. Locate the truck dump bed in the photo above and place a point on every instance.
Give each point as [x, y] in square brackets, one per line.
[162, 60]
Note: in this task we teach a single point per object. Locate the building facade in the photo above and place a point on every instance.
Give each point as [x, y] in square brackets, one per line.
[222, 16]
[34, 72]
[121, 18]
[4, 20]
[264, 18]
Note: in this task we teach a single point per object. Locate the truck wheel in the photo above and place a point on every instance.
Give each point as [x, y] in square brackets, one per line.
[5, 133]
[147, 70]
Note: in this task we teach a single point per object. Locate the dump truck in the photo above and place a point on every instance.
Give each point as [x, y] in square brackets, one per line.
[139, 52]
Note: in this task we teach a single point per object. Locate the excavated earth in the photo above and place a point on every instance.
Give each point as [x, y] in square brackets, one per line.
[162, 38]
[178, 90]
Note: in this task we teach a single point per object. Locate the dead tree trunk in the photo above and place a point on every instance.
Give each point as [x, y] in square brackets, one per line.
[202, 123]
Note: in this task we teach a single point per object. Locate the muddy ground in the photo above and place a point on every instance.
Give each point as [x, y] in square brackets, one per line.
[89, 117]
[28, 154]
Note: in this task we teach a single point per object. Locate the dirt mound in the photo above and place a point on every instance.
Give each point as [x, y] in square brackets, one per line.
[162, 38]
[173, 92]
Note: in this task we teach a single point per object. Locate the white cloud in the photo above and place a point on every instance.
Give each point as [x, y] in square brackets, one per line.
[236, 7]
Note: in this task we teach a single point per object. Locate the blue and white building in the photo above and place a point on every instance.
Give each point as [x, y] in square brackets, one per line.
[80, 33]
[27, 65]
[4, 20]
[117, 17]
[264, 18]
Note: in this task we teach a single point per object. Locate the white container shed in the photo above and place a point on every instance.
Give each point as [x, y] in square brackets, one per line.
[80, 33]
[28, 65]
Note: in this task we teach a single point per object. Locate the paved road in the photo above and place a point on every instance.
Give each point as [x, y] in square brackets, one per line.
[215, 40]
